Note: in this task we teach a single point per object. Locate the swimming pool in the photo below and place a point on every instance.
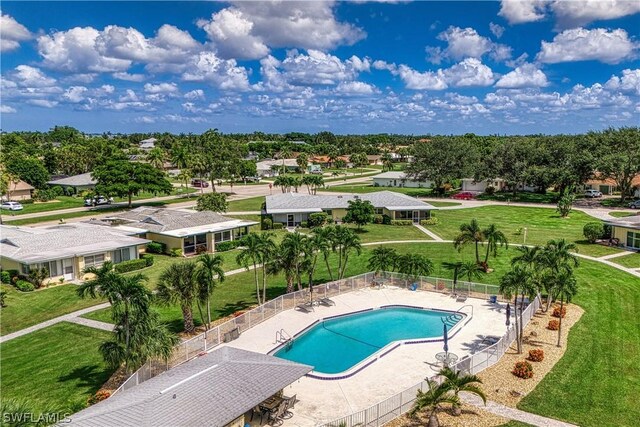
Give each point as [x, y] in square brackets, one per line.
[336, 345]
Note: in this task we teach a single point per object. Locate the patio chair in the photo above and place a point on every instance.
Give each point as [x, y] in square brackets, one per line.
[275, 416]
[304, 308]
[327, 302]
[462, 297]
[291, 402]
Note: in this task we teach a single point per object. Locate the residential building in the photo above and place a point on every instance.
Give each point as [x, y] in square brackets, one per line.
[292, 209]
[216, 389]
[399, 179]
[18, 190]
[65, 250]
[472, 186]
[272, 167]
[78, 183]
[626, 231]
[374, 159]
[148, 144]
[191, 232]
[608, 186]
[326, 162]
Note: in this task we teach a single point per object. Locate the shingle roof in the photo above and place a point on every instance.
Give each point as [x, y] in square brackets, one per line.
[81, 180]
[19, 186]
[627, 221]
[391, 175]
[298, 202]
[210, 390]
[30, 244]
[266, 164]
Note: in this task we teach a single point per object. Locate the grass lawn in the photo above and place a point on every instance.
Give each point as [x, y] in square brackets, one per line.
[542, 224]
[521, 197]
[59, 366]
[252, 204]
[631, 261]
[25, 309]
[368, 188]
[619, 214]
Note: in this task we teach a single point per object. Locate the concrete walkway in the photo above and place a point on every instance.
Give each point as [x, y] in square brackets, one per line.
[513, 413]
[429, 233]
[92, 323]
[625, 253]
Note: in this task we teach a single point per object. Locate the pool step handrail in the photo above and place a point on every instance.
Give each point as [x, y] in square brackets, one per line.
[460, 312]
[282, 336]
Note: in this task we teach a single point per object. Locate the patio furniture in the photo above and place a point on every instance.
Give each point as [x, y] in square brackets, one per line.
[447, 358]
[275, 415]
[231, 335]
[305, 308]
[291, 402]
[462, 297]
[326, 302]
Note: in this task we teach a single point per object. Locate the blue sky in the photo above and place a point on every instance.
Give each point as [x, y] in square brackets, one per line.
[505, 67]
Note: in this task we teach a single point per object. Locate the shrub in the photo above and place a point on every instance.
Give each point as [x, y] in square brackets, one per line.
[12, 273]
[430, 221]
[176, 252]
[490, 190]
[99, 397]
[523, 370]
[556, 312]
[148, 259]
[24, 286]
[536, 355]
[553, 325]
[304, 224]
[402, 222]
[227, 246]
[156, 248]
[131, 265]
[377, 219]
[386, 219]
[267, 224]
[5, 277]
[593, 231]
[317, 219]
[278, 226]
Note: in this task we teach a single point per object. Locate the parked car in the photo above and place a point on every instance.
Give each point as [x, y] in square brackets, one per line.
[97, 201]
[12, 206]
[465, 195]
[635, 204]
[200, 183]
[592, 194]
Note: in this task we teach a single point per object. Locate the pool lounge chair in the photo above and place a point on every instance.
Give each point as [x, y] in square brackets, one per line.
[462, 297]
[327, 302]
[305, 308]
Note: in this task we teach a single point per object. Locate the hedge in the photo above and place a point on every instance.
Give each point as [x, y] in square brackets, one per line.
[5, 276]
[267, 224]
[278, 226]
[176, 252]
[430, 221]
[156, 248]
[131, 265]
[402, 222]
[24, 286]
[148, 259]
[317, 219]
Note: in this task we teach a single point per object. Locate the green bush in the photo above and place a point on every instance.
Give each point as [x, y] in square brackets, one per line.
[377, 219]
[593, 231]
[278, 226]
[24, 286]
[267, 224]
[317, 219]
[131, 265]
[402, 222]
[156, 248]
[386, 219]
[148, 259]
[304, 224]
[5, 277]
[226, 246]
[176, 252]
[430, 221]
[490, 190]
[13, 273]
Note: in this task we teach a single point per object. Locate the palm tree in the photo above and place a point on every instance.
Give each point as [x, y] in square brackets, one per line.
[180, 156]
[208, 275]
[178, 285]
[325, 235]
[387, 162]
[469, 233]
[564, 287]
[455, 267]
[471, 270]
[556, 256]
[431, 400]
[513, 283]
[457, 383]
[267, 248]
[251, 254]
[184, 177]
[292, 247]
[414, 265]
[345, 241]
[495, 238]
[382, 259]
[156, 157]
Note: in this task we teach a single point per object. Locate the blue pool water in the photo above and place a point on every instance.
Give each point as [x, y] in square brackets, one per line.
[335, 345]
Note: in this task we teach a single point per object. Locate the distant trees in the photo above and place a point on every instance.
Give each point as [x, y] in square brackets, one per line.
[28, 169]
[214, 202]
[302, 162]
[359, 160]
[313, 182]
[125, 179]
[621, 157]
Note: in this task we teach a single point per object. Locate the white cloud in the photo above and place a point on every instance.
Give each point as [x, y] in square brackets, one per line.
[11, 33]
[526, 75]
[356, 88]
[248, 29]
[469, 72]
[313, 68]
[466, 43]
[629, 82]
[427, 80]
[161, 88]
[521, 11]
[27, 76]
[75, 94]
[496, 29]
[130, 96]
[129, 77]
[75, 51]
[224, 74]
[5, 109]
[42, 103]
[580, 44]
[194, 94]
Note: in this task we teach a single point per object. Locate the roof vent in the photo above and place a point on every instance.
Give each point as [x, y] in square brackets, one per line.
[339, 197]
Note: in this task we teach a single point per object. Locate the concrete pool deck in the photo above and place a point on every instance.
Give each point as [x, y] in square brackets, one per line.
[321, 401]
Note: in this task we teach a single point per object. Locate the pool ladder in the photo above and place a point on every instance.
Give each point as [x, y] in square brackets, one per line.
[282, 336]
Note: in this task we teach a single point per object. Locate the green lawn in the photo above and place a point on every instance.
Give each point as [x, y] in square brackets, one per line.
[622, 214]
[28, 308]
[378, 233]
[244, 205]
[368, 188]
[58, 367]
[542, 224]
[521, 197]
[631, 261]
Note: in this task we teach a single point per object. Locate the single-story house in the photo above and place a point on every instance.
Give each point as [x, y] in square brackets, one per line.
[472, 186]
[399, 179]
[66, 249]
[18, 190]
[292, 209]
[626, 230]
[81, 182]
[326, 162]
[608, 186]
[148, 144]
[190, 231]
[271, 167]
[374, 159]
[217, 389]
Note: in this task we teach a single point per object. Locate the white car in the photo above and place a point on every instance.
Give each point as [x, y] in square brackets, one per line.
[12, 206]
[592, 193]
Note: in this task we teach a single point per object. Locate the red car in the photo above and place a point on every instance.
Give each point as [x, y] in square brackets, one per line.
[463, 196]
[199, 183]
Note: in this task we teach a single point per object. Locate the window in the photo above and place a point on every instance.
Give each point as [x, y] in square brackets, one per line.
[195, 243]
[329, 212]
[24, 268]
[223, 236]
[633, 239]
[121, 255]
[93, 260]
[378, 211]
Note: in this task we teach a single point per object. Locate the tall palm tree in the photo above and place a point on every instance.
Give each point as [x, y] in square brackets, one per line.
[345, 241]
[156, 157]
[208, 275]
[382, 259]
[414, 265]
[457, 383]
[564, 287]
[178, 285]
[292, 247]
[514, 283]
[184, 177]
[387, 162]
[556, 256]
[180, 156]
[267, 247]
[469, 233]
[431, 401]
[325, 235]
[495, 238]
[455, 267]
[251, 254]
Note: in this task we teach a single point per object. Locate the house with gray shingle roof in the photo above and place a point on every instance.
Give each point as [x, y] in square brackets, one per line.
[292, 209]
[626, 231]
[190, 231]
[65, 250]
[216, 389]
[399, 179]
[81, 182]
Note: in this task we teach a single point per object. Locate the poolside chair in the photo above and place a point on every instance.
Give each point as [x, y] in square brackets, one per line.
[327, 302]
[462, 297]
[304, 308]
[291, 402]
[275, 416]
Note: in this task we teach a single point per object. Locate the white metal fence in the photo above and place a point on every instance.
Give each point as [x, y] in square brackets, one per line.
[401, 403]
[215, 336]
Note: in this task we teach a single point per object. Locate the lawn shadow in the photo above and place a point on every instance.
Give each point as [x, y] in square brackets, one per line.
[89, 376]
[232, 307]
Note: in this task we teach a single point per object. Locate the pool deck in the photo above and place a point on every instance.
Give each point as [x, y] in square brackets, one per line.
[321, 401]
